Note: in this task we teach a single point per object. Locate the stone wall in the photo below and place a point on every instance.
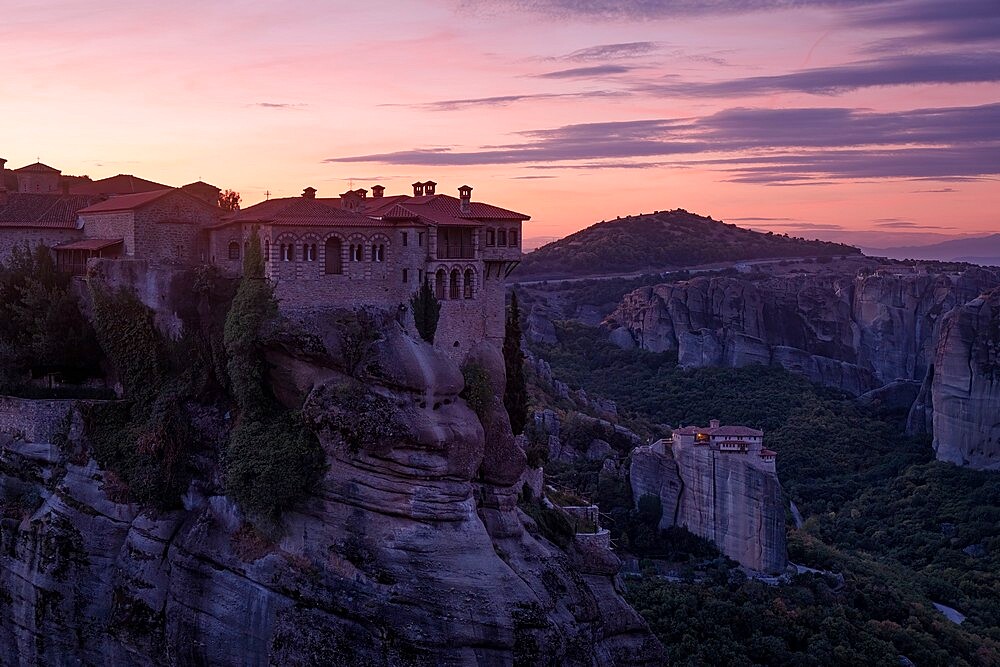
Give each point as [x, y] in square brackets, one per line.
[32, 237]
[172, 229]
[33, 420]
[118, 225]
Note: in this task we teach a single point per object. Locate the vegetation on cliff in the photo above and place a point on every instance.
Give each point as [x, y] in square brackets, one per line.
[272, 459]
[515, 396]
[426, 311]
[901, 529]
[661, 240]
[42, 330]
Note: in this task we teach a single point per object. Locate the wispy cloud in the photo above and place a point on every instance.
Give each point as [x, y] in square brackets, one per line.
[954, 22]
[769, 146]
[650, 9]
[897, 70]
[937, 191]
[279, 105]
[905, 224]
[506, 100]
[586, 72]
[612, 51]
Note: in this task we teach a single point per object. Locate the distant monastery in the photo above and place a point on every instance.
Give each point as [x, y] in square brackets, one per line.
[350, 250]
[722, 440]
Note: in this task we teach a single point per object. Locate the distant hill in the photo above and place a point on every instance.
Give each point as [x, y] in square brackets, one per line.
[978, 250]
[660, 241]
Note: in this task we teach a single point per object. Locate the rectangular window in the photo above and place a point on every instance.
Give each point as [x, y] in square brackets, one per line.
[420, 239]
[455, 243]
[501, 237]
[406, 239]
[406, 276]
[420, 275]
[491, 238]
[512, 238]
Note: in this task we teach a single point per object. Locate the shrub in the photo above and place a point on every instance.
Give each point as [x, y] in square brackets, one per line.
[477, 391]
[271, 464]
[426, 311]
[552, 523]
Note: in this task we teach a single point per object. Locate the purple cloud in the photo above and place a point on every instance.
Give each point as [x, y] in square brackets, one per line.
[950, 68]
[586, 72]
[785, 146]
[613, 51]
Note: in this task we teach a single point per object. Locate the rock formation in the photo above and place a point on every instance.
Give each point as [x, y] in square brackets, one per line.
[965, 385]
[724, 498]
[854, 332]
[412, 551]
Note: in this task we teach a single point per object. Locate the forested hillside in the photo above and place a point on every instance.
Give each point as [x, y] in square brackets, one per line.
[894, 530]
[663, 240]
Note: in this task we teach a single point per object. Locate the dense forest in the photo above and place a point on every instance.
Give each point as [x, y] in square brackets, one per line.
[663, 240]
[898, 529]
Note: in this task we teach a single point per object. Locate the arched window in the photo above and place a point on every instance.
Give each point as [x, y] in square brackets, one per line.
[357, 253]
[512, 238]
[234, 250]
[309, 252]
[453, 287]
[334, 263]
[379, 251]
[439, 284]
[467, 284]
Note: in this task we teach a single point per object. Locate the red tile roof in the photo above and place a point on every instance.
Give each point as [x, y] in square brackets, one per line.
[44, 211]
[89, 244]
[429, 209]
[127, 202]
[38, 168]
[744, 431]
[768, 452]
[300, 212]
[122, 184]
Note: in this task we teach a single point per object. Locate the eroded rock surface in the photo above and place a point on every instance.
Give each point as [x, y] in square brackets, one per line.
[412, 551]
[965, 385]
[723, 497]
[854, 332]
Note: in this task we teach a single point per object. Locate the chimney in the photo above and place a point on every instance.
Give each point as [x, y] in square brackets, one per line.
[309, 193]
[714, 423]
[2, 163]
[418, 189]
[429, 187]
[378, 191]
[465, 198]
[361, 192]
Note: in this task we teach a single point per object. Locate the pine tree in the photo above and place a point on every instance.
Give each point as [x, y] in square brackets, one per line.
[426, 311]
[515, 397]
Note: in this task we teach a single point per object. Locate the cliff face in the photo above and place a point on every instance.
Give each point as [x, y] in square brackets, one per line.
[965, 385]
[412, 550]
[725, 498]
[853, 332]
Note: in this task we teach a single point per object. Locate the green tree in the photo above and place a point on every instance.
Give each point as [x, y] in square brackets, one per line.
[252, 307]
[426, 311]
[515, 395]
[229, 200]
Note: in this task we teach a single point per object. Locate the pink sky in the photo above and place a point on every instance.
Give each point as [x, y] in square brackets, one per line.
[259, 96]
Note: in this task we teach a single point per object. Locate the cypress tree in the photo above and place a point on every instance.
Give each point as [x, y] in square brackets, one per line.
[515, 396]
[426, 311]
